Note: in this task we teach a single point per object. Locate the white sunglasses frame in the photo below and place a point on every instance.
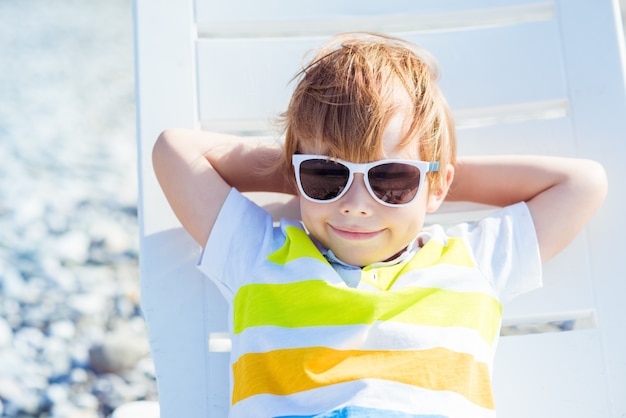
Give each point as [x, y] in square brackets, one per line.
[362, 168]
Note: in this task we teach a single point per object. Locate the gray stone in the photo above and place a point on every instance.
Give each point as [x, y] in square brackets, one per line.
[118, 352]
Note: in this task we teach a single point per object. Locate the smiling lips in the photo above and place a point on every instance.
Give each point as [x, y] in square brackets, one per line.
[353, 233]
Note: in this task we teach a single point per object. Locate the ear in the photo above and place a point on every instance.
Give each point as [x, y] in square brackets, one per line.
[437, 196]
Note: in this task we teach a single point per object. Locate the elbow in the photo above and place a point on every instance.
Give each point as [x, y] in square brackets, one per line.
[158, 150]
[598, 182]
[162, 148]
[161, 144]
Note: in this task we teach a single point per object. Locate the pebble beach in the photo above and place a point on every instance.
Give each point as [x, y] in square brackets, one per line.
[73, 342]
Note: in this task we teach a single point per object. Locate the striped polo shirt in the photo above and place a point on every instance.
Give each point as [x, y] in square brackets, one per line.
[414, 338]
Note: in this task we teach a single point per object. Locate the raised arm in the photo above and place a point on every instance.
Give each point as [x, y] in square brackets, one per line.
[562, 193]
[197, 169]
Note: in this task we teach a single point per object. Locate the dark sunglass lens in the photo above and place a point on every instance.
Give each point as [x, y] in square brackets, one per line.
[394, 183]
[322, 179]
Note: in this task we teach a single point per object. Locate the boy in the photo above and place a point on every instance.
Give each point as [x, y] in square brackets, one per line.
[359, 310]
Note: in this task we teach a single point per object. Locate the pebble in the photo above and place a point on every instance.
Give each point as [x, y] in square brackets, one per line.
[73, 343]
[144, 409]
[119, 352]
[6, 334]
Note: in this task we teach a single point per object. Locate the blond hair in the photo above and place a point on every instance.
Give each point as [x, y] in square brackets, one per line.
[348, 93]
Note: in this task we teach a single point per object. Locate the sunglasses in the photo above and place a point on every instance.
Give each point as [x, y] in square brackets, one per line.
[390, 182]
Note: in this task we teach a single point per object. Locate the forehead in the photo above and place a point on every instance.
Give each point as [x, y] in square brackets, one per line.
[393, 143]
[393, 138]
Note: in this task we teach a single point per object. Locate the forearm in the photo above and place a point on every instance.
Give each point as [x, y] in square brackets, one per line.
[504, 180]
[244, 164]
[562, 193]
[196, 171]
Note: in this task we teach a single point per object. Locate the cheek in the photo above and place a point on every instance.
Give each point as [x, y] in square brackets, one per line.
[311, 213]
[305, 206]
[406, 218]
[410, 219]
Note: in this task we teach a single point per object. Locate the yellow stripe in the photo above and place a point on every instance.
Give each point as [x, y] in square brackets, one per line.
[317, 303]
[284, 372]
[455, 253]
[297, 245]
[434, 252]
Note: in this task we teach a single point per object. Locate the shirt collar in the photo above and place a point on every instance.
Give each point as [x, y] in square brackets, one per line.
[407, 254]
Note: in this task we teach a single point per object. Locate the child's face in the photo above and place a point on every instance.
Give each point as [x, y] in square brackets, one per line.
[358, 229]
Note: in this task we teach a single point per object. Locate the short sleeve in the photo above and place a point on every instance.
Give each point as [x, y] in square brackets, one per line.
[506, 250]
[241, 230]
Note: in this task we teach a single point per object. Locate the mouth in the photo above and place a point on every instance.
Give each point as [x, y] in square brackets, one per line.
[354, 233]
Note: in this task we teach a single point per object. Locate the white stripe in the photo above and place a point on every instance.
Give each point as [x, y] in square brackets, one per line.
[453, 278]
[299, 270]
[380, 336]
[370, 393]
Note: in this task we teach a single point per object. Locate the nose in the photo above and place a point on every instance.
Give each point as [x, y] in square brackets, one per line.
[357, 200]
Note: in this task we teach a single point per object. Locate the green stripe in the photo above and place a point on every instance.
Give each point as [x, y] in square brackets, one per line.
[297, 245]
[317, 303]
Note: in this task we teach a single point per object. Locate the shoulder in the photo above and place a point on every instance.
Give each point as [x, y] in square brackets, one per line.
[510, 219]
[503, 247]
[241, 232]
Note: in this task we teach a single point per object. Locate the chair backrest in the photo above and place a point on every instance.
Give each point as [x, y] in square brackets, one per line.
[522, 76]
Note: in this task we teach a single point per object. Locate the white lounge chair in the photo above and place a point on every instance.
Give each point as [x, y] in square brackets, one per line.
[522, 76]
